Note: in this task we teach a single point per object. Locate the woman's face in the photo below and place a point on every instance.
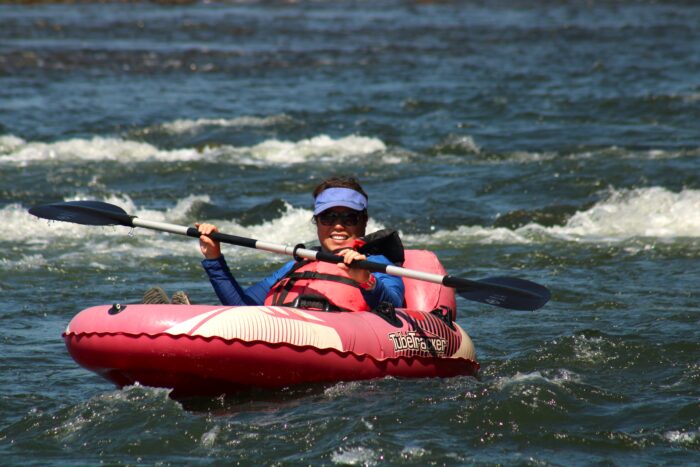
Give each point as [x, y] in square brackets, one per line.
[339, 233]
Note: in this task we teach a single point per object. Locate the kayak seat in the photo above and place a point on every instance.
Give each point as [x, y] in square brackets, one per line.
[422, 295]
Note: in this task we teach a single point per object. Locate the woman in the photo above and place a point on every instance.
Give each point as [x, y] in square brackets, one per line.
[340, 215]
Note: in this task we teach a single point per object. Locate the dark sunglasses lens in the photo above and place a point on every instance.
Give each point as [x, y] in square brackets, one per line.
[328, 219]
[350, 218]
[346, 218]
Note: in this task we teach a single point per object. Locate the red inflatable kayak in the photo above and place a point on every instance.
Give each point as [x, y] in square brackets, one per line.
[212, 350]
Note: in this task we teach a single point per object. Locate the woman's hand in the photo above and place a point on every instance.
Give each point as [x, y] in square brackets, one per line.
[211, 249]
[358, 275]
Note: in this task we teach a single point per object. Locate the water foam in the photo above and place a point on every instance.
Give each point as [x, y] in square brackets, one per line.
[10, 143]
[23, 263]
[643, 212]
[25, 225]
[470, 234]
[682, 437]
[558, 377]
[356, 456]
[649, 212]
[655, 213]
[208, 439]
[190, 126]
[414, 453]
[593, 349]
[293, 226]
[342, 389]
[17, 151]
[321, 149]
[76, 422]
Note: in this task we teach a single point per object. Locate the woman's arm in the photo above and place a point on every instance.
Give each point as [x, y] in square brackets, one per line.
[388, 288]
[229, 290]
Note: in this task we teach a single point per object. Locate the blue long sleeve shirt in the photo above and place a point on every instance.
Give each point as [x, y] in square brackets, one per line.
[387, 289]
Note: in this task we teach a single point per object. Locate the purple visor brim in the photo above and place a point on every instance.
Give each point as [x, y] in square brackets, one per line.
[334, 197]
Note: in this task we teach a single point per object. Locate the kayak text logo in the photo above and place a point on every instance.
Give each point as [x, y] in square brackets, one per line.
[414, 342]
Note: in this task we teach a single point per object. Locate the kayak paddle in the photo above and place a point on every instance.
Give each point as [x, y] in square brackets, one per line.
[504, 292]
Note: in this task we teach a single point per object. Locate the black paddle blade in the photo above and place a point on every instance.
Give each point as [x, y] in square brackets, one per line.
[506, 292]
[84, 212]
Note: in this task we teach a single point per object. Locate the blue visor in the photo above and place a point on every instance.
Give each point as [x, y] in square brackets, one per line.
[333, 197]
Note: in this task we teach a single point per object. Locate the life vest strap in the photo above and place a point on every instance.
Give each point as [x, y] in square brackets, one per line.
[323, 277]
[279, 293]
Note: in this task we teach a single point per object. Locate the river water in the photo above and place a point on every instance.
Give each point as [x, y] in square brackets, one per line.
[556, 141]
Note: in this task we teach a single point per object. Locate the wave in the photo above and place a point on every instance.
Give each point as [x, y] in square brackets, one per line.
[358, 455]
[558, 377]
[136, 408]
[73, 242]
[323, 149]
[49, 242]
[654, 213]
[23, 263]
[15, 150]
[188, 125]
[683, 437]
[465, 148]
[319, 149]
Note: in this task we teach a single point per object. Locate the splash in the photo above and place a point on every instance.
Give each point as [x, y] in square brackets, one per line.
[17, 151]
[9, 144]
[208, 439]
[190, 126]
[468, 234]
[356, 456]
[23, 263]
[82, 242]
[680, 437]
[652, 213]
[644, 212]
[560, 377]
[41, 232]
[319, 149]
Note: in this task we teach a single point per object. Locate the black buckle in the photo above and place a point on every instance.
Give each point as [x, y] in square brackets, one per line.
[316, 302]
[445, 315]
[387, 311]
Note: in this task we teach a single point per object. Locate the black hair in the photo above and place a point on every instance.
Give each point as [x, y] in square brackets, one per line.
[340, 182]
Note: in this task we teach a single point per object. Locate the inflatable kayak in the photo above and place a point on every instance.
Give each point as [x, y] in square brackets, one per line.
[201, 350]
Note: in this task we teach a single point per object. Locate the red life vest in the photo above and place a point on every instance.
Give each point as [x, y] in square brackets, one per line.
[319, 285]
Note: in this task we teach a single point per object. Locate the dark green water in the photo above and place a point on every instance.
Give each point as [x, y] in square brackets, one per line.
[555, 141]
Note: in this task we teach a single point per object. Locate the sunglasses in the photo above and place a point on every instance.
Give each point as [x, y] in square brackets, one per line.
[344, 218]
